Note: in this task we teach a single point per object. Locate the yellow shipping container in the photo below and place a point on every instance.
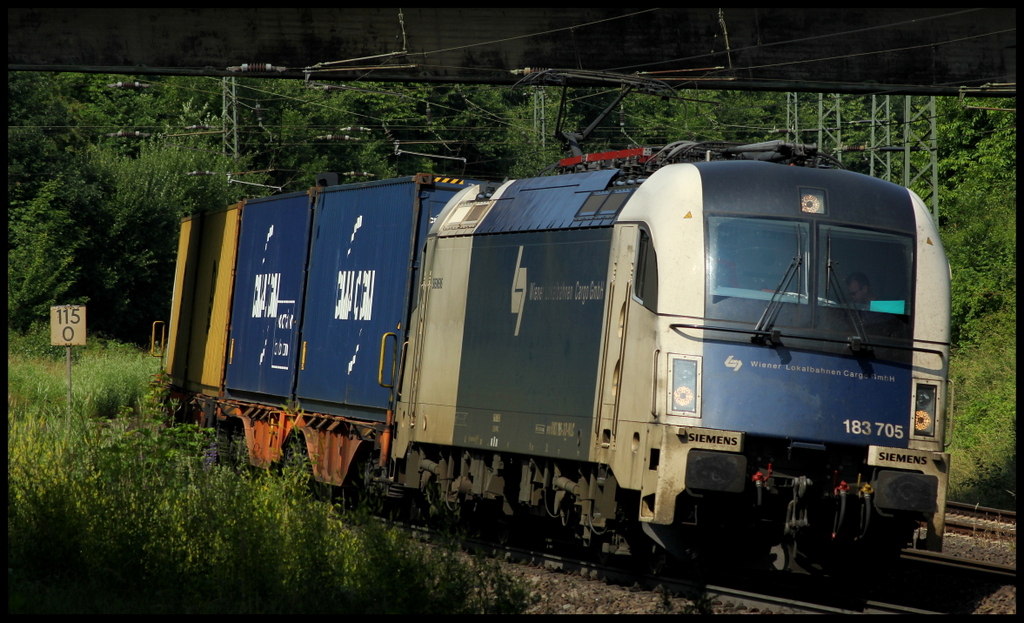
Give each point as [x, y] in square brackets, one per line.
[201, 307]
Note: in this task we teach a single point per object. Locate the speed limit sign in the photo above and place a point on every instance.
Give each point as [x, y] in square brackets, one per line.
[67, 325]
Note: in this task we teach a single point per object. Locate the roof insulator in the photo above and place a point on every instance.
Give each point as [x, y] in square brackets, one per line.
[257, 68]
[127, 134]
[129, 85]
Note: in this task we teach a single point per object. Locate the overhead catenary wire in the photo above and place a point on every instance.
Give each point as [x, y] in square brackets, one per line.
[844, 33]
[462, 129]
[430, 95]
[277, 96]
[847, 33]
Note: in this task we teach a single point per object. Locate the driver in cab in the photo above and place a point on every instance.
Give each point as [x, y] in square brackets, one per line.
[858, 288]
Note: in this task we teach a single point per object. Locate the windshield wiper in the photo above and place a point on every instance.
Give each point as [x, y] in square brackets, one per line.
[775, 334]
[771, 311]
[857, 342]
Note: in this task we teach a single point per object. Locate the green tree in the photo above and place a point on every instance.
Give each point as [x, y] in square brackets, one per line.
[92, 219]
[128, 263]
[45, 240]
[978, 166]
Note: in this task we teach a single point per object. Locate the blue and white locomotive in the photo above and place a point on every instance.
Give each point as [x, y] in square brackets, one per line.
[726, 347]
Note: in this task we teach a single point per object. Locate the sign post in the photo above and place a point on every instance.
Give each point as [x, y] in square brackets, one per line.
[67, 328]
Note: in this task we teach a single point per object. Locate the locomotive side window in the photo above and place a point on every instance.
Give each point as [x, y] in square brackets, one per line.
[592, 203]
[604, 203]
[615, 201]
[752, 261]
[645, 284]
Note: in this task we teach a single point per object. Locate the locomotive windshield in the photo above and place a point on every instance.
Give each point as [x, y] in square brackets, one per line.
[867, 271]
[821, 277]
[750, 261]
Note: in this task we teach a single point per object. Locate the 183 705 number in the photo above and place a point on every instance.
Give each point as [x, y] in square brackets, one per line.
[882, 429]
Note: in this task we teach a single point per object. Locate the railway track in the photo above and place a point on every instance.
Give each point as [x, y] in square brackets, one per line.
[803, 594]
[749, 593]
[988, 571]
[756, 592]
[980, 520]
[738, 592]
[723, 592]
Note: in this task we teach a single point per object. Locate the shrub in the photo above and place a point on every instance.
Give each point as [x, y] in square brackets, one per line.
[111, 510]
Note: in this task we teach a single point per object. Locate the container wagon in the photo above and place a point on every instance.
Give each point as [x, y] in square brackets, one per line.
[659, 347]
[298, 301]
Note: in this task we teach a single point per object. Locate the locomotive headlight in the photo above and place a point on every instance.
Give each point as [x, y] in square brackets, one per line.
[924, 410]
[812, 201]
[683, 389]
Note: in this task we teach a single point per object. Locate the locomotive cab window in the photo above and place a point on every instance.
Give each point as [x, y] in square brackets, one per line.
[645, 283]
[867, 271]
[753, 261]
[840, 280]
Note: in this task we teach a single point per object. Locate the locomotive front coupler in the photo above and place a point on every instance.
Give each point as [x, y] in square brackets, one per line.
[796, 510]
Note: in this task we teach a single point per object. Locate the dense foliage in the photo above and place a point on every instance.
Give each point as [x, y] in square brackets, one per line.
[109, 510]
[978, 169]
[92, 218]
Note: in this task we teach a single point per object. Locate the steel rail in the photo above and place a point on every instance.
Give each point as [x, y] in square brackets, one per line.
[974, 519]
[985, 570]
[713, 594]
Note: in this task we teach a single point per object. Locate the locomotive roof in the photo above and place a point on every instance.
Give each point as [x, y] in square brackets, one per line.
[595, 198]
[521, 208]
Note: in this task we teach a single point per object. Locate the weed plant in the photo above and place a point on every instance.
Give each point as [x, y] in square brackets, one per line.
[984, 418]
[114, 510]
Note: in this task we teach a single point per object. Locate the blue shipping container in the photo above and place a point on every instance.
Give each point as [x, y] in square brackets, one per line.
[363, 272]
[273, 246]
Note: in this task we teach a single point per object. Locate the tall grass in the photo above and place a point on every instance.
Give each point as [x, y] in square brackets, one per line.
[110, 510]
[984, 417]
